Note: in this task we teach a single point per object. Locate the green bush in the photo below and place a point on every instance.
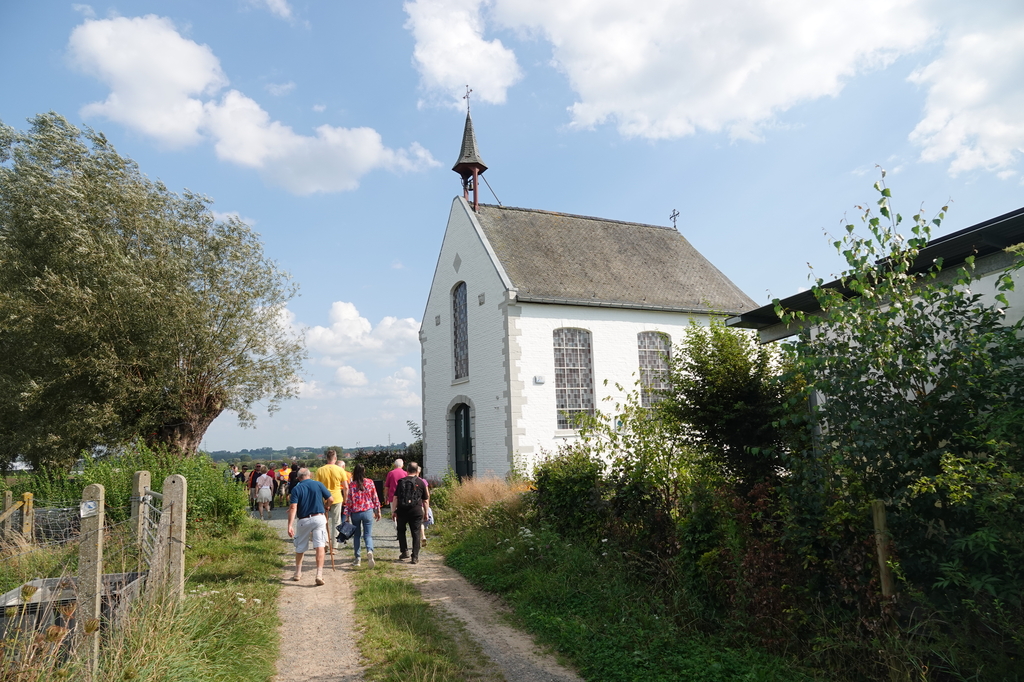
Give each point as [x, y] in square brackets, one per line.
[570, 492]
[589, 605]
[441, 494]
[210, 497]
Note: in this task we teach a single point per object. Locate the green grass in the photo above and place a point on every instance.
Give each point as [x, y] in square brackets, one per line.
[612, 626]
[406, 640]
[223, 630]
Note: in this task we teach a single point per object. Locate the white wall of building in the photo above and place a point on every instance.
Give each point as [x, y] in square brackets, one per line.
[615, 356]
[485, 389]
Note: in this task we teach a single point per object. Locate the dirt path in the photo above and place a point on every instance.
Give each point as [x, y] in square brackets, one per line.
[512, 652]
[318, 627]
[311, 652]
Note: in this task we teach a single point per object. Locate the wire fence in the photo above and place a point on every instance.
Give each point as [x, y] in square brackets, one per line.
[92, 569]
[149, 529]
[50, 525]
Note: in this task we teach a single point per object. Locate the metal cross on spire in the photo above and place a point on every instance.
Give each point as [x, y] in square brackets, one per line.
[466, 97]
[672, 217]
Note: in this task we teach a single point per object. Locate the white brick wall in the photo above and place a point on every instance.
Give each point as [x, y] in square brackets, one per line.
[614, 351]
[485, 390]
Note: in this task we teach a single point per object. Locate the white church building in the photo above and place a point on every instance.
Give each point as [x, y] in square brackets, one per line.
[530, 312]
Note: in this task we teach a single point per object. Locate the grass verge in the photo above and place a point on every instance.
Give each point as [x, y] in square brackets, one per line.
[226, 627]
[224, 630]
[587, 607]
[405, 639]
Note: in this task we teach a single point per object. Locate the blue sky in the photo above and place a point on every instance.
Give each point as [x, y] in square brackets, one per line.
[331, 127]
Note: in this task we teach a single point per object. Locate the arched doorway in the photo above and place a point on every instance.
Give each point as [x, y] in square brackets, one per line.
[462, 441]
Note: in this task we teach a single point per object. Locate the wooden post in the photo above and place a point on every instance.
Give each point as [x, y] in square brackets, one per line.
[90, 575]
[8, 503]
[140, 482]
[28, 518]
[175, 493]
[882, 539]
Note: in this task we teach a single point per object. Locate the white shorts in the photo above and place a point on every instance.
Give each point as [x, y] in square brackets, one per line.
[264, 495]
[314, 527]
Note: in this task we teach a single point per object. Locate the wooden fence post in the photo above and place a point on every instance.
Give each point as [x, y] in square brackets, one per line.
[90, 575]
[140, 483]
[175, 494]
[8, 503]
[882, 538]
[28, 518]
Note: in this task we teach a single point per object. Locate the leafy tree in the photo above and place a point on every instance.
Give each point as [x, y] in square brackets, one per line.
[914, 374]
[127, 310]
[727, 397]
[414, 451]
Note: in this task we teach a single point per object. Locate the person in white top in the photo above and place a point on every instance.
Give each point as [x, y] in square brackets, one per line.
[264, 493]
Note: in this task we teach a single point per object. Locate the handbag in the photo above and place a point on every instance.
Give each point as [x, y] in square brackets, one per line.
[345, 531]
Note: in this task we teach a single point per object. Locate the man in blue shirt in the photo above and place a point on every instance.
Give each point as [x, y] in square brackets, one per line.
[307, 521]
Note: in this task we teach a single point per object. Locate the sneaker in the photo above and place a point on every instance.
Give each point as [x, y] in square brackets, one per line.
[369, 559]
[414, 561]
[319, 581]
[356, 561]
[403, 555]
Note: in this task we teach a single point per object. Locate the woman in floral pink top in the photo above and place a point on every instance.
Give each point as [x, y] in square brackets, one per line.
[362, 508]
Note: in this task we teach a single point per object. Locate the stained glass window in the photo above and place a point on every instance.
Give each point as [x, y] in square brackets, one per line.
[654, 349]
[461, 336]
[574, 375]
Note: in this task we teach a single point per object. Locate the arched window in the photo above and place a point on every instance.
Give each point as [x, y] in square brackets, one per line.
[574, 375]
[460, 336]
[655, 349]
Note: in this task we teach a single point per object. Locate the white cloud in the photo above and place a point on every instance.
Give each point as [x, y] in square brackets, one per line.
[165, 86]
[398, 389]
[351, 335]
[279, 89]
[451, 52]
[350, 376]
[319, 108]
[975, 100]
[225, 215]
[279, 7]
[154, 74]
[84, 10]
[675, 67]
[313, 389]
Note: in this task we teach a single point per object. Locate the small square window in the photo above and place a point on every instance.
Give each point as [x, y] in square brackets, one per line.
[481, 299]
[437, 320]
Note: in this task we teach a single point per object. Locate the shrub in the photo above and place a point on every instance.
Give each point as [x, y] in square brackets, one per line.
[441, 491]
[209, 495]
[570, 492]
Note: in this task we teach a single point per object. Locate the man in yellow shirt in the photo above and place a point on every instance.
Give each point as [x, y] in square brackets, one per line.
[334, 479]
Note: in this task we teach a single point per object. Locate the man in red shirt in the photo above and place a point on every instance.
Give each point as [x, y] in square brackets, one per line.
[390, 483]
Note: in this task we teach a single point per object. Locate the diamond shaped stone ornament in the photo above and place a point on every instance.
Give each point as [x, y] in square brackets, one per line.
[458, 262]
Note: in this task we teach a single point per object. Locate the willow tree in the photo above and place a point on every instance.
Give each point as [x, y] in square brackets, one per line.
[126, 310]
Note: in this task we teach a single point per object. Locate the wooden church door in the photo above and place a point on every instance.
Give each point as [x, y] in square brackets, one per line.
[463, 443]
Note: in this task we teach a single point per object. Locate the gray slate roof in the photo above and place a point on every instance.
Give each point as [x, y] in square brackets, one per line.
[469, 156]
[563, 258]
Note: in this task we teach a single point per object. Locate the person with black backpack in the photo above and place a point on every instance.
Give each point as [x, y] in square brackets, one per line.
[412, 504]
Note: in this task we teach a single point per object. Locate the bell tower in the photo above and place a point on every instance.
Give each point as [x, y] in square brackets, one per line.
[470, 166]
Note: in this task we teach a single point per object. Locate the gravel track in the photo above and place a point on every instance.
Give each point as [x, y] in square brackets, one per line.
[318, 628]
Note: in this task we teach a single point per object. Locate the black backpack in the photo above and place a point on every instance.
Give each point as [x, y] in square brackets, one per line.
[409, 493]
